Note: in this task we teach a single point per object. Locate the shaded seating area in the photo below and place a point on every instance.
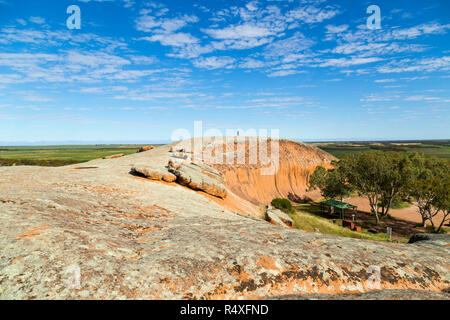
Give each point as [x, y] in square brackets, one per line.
[339, 207]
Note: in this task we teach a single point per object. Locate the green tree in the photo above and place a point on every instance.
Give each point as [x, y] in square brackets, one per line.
[398, 174]
[430, 188]
[368, 172]
[332, 183]
[443, 201]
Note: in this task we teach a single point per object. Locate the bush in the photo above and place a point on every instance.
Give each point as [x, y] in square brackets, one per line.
[283, 204]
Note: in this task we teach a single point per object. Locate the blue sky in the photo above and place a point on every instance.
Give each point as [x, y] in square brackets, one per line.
[138, 70]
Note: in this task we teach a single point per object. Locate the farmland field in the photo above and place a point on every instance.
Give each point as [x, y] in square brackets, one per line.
[60, 155]
[436, 148]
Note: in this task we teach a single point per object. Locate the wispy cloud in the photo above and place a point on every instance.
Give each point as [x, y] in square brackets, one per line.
[417, 65]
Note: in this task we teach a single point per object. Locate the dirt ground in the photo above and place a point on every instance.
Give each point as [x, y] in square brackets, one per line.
[410, 214]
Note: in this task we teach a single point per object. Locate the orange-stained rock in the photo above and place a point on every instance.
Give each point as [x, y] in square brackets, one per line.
[133, 238]
[297, 161]
[250, 179]
[154, 173]
[146, 148]
[279, 218]
[200, 177]
[114, 156]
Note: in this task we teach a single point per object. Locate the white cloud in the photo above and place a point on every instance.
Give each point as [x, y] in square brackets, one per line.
[94, 59]
[165, 30]
[421, 65]
[33, 97]
[289, 46]
[250, 63]
[37, 20]
[143, 60]
[239, 31]
[126, 3]
[421, 98]
[252, 5]
[282, 73]
[312, 14]
[384, 80]
[336, 29]
[191, 51]
[344, 62]
[362, 34]
[55, 38]
[214, 62]
[414, 32]
[370, 49]
[377, 97]
[179, 39]
[22, 22]
[333, 80]
[149, 23]
[71, 66]
[240, 44]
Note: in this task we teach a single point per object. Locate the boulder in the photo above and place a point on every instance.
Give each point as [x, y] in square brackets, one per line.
[279, 218]
[154, 173]
[431, 238]
[200, 177]
[145, 148]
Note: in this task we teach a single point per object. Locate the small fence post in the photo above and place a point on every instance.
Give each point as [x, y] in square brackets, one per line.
[389, 232]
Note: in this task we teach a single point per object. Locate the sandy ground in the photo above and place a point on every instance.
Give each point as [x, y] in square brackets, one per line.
[409, 214]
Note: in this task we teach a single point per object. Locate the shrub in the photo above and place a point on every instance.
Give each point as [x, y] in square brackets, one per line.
[283, 204]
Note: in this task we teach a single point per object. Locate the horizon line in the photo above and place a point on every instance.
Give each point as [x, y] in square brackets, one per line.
[137, 142]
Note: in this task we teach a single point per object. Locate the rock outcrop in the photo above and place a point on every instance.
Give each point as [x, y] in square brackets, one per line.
[114, 156]
[145, 148]
[431, 239]
[154, 173]
[200, 177]
[130, 237]
[196, 177]
[279, 218]
[174, 166]
[248, 179]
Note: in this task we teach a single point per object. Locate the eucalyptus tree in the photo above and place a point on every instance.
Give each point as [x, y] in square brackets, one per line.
[430, 189]
[400, 171]
[332, 183]
[368, 173]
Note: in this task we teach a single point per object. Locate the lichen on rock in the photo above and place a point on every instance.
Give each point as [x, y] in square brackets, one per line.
[136, 238]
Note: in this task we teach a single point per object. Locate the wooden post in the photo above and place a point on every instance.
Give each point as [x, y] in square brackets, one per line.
[389, 232]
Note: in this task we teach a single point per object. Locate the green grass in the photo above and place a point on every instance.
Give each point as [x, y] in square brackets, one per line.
[312, 223]
[443, 230]
[436, 148]
[60, 155]
[401, 205]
